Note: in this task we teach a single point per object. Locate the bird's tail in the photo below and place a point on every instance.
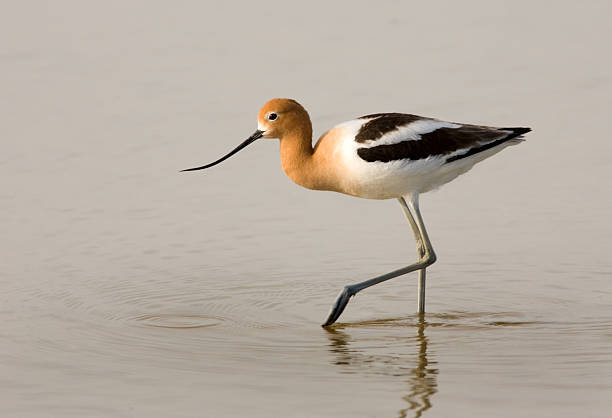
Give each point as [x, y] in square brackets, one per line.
[516, 133]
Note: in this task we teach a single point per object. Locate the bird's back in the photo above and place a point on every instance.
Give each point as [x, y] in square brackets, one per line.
[388, 155]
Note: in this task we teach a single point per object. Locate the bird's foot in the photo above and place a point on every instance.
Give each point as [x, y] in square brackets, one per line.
[338, 307]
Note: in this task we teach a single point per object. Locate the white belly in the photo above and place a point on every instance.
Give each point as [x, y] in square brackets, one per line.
[386, 180]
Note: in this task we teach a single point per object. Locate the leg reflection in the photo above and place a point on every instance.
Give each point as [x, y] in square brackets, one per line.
[359, 355]
[423, 381]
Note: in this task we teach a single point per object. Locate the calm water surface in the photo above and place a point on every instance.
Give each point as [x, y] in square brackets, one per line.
[129, 289]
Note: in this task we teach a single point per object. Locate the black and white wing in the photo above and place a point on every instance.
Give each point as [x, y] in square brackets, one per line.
[387, 137]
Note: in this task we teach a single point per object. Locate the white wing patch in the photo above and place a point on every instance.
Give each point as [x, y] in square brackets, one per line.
[410, 132]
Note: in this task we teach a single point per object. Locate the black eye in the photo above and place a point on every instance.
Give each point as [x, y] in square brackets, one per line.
[272, 116]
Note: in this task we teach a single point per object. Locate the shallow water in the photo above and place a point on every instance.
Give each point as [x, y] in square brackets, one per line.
[131, 290]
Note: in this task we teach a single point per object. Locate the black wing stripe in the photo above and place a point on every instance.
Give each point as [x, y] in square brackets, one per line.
[515, 133]
[442, 141]
[382, 124]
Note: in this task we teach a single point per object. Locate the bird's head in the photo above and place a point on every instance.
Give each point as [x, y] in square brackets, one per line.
[276, 118]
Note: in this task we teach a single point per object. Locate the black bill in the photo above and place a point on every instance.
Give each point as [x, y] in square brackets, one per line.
[258, 134]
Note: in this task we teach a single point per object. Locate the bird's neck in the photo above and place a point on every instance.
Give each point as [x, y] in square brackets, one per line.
[297, 157]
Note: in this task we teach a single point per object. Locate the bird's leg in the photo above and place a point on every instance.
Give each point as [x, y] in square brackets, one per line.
[414, 227]
[420, 250]
[426, 258]
[426, 250]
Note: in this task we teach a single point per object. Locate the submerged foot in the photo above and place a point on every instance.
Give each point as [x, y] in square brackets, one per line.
[338, 307]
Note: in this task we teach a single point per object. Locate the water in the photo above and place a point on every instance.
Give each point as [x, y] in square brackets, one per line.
[129, 289]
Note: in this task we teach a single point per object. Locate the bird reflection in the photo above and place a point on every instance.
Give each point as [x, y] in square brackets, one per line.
[356, 357]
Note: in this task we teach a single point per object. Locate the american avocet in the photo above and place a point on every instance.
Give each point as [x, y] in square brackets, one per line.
[378, 156]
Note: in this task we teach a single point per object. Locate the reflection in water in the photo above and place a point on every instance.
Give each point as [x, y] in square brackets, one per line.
[422, 378]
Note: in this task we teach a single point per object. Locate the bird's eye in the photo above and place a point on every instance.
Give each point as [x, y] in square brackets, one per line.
[272, 116]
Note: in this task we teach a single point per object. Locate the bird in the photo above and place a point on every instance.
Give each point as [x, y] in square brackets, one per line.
[378, 156]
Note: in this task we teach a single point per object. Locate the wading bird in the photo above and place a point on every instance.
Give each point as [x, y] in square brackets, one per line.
[378, 156]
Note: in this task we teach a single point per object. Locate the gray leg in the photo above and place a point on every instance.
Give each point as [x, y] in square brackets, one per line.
[426, 258]
[420, 249]
[425, 250]
[421, 292]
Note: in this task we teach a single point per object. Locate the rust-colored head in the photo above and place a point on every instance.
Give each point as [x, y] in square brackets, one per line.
[278, 117]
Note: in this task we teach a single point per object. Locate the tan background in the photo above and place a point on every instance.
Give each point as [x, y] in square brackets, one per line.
[131, 290]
